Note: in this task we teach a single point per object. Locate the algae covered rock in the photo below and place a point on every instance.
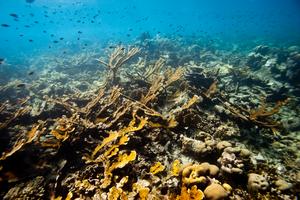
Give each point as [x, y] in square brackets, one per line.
[32, 189]
[283, 185]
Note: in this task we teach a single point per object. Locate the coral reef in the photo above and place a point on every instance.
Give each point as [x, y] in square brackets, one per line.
[166, 119]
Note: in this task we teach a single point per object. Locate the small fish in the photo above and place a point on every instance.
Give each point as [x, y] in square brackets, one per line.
[20, 85]
[21, 35]
[30, 73]
[55, 41]
[1, 61]
[61, 38]
[79, 32]
[30, 1]
[5, 25]
[30, 40]
[27, 26]
[14, 15]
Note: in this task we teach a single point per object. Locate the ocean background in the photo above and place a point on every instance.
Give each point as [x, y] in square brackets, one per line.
[76, 25]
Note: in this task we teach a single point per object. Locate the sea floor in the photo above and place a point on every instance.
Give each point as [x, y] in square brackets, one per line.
[161, 118]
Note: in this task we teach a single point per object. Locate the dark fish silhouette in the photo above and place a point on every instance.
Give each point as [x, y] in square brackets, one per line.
[1, 61]
[30, 73]
[30, 1]
[61, 38]
[5, 25]
[14, 15]
[20, 85]
[30, 40]
[55, 41]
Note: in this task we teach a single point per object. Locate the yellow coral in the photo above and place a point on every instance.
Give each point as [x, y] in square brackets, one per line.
[193, 175]
[116, 194]
[114, 135]
[156, 168]
[176, 168]
[143, 193]
[123, 159]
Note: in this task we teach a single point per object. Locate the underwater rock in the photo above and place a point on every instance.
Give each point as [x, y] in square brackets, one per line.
[255, 61]
[293, 68]
[32, 189]
[227, 130]
[282, 185]
[215, 192]
[257, 182]
[261, 49]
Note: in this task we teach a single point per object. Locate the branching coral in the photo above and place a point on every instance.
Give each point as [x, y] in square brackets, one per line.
[122, 160]
[263, 112]
[117, 58]
[146, 73]
[20, 112]
[261, 116]
[31, 136]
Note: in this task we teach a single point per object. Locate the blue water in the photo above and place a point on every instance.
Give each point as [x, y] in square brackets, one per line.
[100, 21]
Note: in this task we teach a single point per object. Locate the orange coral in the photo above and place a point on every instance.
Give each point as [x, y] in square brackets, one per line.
[190, 194]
